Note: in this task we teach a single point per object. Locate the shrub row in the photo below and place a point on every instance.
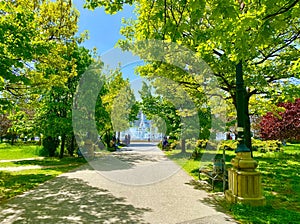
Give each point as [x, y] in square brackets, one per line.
[257, 145]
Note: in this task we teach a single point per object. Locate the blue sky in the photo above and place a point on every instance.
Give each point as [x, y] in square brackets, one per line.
[104, 32]
[103, 28]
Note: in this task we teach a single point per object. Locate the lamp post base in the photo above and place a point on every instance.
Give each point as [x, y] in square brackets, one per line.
[244, 182]
[247, 201]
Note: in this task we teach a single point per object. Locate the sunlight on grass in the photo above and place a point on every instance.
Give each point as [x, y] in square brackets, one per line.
[19, 152]
[280, 181]
[13, 183]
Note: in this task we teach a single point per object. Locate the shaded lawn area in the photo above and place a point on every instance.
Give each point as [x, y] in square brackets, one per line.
[47, 161]
[15, 183]
[280, 181]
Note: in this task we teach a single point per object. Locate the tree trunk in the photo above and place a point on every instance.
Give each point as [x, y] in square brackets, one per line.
[183, 145]
[62, 146]
[72, 145]
[108, 138]
[247, 127]
[12, 139]
[119, 135]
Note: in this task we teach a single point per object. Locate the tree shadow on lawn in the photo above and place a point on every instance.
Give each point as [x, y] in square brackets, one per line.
[50, 161]
[68, 200]
[281, 180]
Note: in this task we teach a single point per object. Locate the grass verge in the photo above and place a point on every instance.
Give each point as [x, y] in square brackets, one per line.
[8, 151]
[13, 183]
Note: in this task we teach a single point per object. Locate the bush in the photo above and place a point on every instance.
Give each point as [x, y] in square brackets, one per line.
[197, 152]
[172, 145]
[266, 146]
[201, 143]
[228, 145]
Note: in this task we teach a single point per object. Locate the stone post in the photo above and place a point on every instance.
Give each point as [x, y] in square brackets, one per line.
[244, 182]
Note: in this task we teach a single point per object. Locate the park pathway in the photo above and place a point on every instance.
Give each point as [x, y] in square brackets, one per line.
[136, 185]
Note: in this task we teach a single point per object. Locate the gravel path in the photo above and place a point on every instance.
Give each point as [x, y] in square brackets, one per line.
[136, 185]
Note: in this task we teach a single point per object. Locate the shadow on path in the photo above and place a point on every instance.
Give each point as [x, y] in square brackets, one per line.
[66, 200]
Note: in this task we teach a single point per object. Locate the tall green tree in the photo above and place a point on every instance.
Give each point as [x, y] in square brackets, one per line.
[119, 103]
[42, 61]
[55, 112]
[157, 106]
[34, 36]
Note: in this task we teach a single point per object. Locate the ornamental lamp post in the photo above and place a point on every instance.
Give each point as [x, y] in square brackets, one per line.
[244, 182]
[240, 107]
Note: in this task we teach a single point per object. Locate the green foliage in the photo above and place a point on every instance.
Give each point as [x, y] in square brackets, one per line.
[50, 144]
[110, 6]
[262, 35]
[228, 145]
[257, 145]
[43, 64]
[173, 144]
[161, 110]
[266, 146]
[201, 143]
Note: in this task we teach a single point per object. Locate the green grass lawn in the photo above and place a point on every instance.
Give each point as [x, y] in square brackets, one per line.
[8, 151]
[280, 181]
[13, 183]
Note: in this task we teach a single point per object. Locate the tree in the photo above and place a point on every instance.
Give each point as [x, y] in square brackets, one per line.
[262, 35]
[41, 61]
[55, 112]
[118, 103]
[5, 124]
[284, 125]
[35, 35]
[157, 106]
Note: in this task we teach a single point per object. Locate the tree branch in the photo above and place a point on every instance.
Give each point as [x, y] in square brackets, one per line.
[272, 53]
[282, 10]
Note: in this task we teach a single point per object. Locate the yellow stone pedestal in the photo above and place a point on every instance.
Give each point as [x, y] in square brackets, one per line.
[244, 182]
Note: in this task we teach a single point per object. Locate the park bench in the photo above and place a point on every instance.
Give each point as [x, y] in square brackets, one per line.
[217, 173]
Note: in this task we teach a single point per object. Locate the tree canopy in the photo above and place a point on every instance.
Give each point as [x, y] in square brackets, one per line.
[263, 35]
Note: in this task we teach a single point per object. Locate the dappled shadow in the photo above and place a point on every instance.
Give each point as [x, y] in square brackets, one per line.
[135, 158]
[66, 200]
[14, 184]
[180, 155]
[213, 198]
[50, 162]
[280, 178]
[121, 161]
